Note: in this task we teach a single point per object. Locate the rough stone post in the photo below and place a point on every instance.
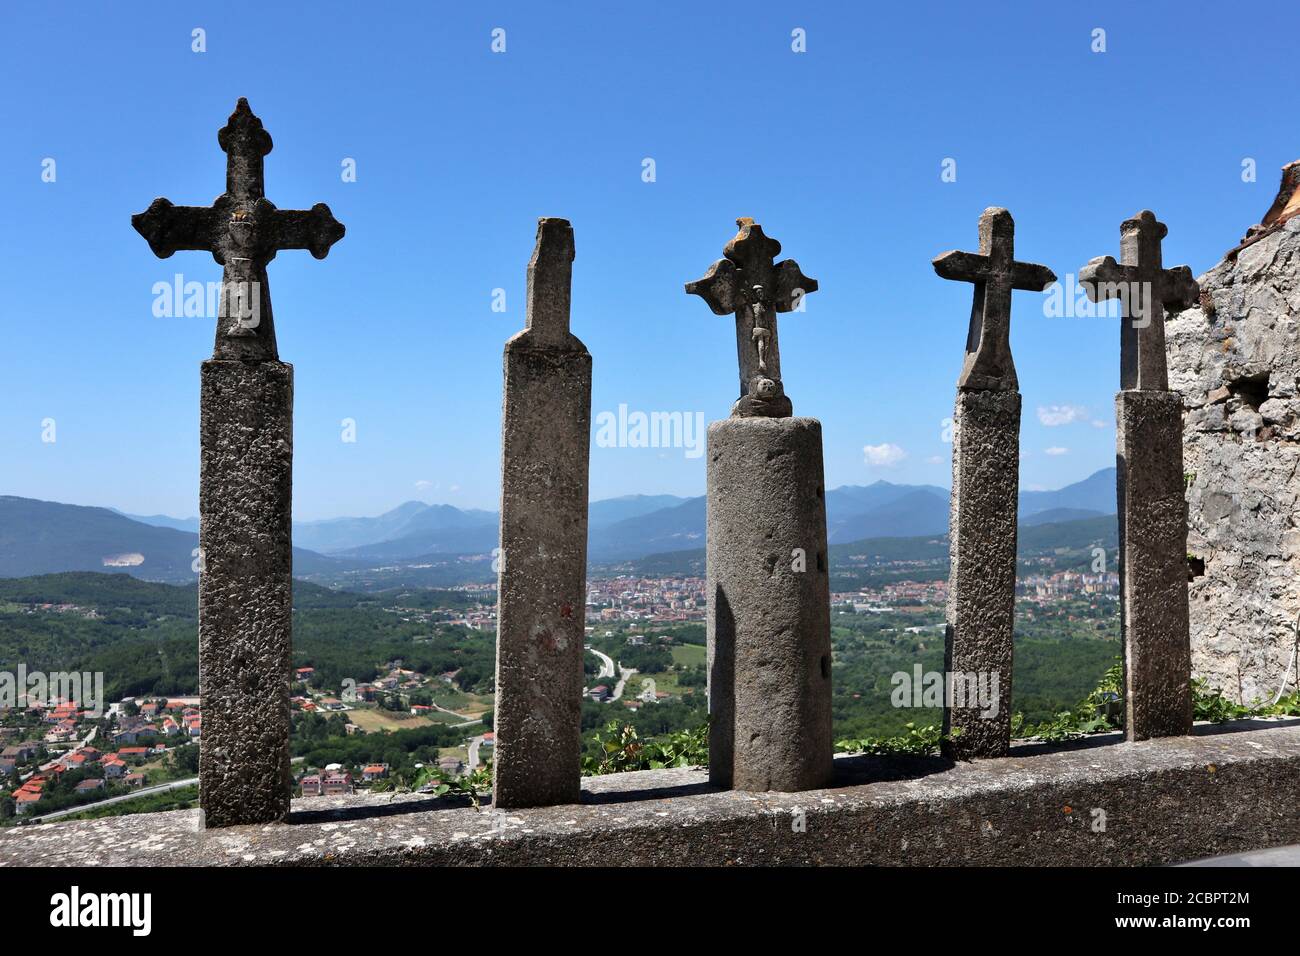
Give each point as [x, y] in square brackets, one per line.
[245, 481]
[769, 648]
[978, 649]
[546, 430]
[1151, 494]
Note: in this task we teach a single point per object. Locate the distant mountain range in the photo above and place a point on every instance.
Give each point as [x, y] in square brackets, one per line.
[637, 525]
[46, 537]
[41, 537]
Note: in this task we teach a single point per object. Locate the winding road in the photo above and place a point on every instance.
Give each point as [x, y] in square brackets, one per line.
[608, 669]
[142, 792]
[606, 663]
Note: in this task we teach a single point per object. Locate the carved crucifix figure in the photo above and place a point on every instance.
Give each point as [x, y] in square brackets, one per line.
[1144, 289]
[748, 284]
[243, 230]
[995, 272]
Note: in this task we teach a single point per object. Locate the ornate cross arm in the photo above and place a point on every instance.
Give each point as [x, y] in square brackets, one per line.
[313, 229]
[718, 288]
[169, 228]
[791, 285]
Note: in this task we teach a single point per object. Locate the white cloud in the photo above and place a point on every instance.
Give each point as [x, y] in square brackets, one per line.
[934, 460]
[1055, 415]
[1056, 450]
[1098, 423]
[887, 455]
[424, 484]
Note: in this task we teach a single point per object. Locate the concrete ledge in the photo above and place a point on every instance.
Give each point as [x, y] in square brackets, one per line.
[1227, 789]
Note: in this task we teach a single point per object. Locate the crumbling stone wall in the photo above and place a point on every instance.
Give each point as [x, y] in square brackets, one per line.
[1236, 360]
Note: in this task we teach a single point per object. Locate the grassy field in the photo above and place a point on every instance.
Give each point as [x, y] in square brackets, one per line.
[474, 705]
[374, 720]
[689, 655]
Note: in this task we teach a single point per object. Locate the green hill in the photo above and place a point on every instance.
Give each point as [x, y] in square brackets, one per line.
[47, 537]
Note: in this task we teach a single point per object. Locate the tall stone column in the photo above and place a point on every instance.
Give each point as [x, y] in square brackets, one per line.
[546, 431]
[245, 590]
[245, 480]
[1154, 618]
[978, 649]
[979, 645]
[769, 647]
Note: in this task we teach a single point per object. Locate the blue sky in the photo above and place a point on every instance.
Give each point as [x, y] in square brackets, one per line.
[837, 151]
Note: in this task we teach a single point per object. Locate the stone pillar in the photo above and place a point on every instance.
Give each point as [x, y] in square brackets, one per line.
[245, 480]
[982, 581]
[979, 646]
[546, 430]
[769, 645]
[1154, 619]
[245, 590]
[1153, 564]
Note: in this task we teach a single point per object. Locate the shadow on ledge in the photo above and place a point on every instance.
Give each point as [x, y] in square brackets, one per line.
[851, 770]
[1225, 789]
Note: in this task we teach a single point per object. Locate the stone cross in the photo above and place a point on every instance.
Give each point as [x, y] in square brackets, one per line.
[996, 273]
[1144, 288]
[768, 616]
[1154, 616]
[747, 283]
[245, 483]
[542, 561]
[243, 230]
[985, 486]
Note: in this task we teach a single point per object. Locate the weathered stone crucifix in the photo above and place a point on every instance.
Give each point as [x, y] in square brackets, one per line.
[768, 629]
[1144, 288]
[985, 483]
[996, 273]
[1154, 618]
[245, 482]
[749, 284]
[243, 230]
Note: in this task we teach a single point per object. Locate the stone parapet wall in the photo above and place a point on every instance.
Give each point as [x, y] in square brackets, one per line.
[1094, 802]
